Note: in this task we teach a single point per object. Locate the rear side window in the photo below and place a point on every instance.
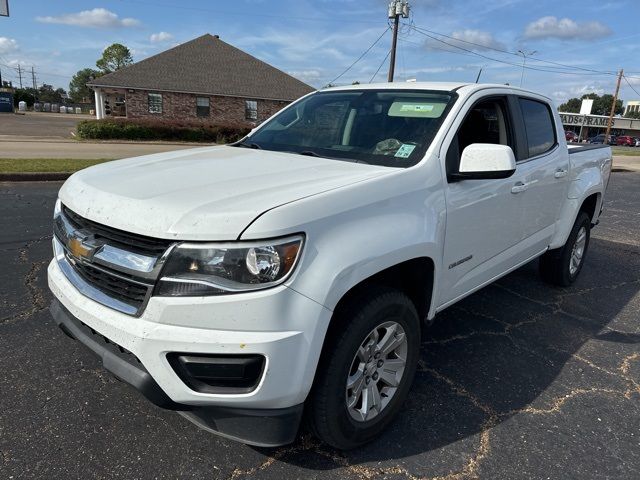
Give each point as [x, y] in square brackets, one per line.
[539, 126]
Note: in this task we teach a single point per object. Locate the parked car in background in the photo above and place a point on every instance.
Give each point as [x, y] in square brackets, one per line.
[637, 140]
[626, 140]
[599, 139]
[570, 136]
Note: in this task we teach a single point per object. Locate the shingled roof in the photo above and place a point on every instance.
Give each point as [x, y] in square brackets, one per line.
[207, 65]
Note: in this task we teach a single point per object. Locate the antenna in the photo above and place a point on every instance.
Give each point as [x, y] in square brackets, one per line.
[479, 73]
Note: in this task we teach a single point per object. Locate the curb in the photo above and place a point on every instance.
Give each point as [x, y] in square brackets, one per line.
[34, 177]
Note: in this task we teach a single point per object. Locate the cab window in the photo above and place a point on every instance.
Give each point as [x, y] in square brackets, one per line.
[539, 126]
[487, 122]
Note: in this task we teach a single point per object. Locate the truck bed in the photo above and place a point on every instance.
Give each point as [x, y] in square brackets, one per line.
[584, 147]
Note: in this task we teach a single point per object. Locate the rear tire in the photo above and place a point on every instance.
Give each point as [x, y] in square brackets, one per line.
[563, 265]
[362, 358]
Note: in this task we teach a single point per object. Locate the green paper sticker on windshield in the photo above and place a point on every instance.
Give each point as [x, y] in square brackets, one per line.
[405, 150]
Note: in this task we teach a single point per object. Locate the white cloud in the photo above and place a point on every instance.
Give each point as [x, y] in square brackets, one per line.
[308, 76]
[468, 39]
[161, 37]
[483, 40]
[96, 18]
[576, 91]
[7, 45]
[565, 29]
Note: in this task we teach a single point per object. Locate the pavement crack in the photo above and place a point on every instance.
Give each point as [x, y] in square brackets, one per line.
[505, 332]
[470, 470]
[557, 403]
[634, 386]
[23, 252]
[304, 444]
[626, 362]
[38, 301]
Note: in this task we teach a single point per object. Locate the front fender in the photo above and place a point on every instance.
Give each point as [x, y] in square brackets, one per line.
[357, 231]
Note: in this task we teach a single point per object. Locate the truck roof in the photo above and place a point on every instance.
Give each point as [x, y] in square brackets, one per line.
[443, 86]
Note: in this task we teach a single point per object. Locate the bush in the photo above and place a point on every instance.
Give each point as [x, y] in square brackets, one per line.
[143, 129]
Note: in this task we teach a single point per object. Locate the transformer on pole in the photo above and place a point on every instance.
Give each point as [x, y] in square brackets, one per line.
[397, 9]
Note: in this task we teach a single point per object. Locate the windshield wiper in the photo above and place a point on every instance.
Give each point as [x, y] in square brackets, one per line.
[310, 153]
[255, 146]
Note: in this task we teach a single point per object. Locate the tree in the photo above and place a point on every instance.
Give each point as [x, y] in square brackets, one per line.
[601, 104]
[78, 90]
[634, 115]
[571, 106]
[114, 57]
[23, 95]
[47, 94]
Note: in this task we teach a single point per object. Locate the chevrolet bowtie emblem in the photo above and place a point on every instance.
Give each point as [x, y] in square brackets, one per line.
[80, 246]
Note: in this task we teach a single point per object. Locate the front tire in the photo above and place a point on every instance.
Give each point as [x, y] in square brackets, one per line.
[563, 265]
[366, 369]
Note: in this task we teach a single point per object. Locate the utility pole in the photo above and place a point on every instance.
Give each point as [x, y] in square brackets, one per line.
[397, 9]
[613, 108]
[35, 86]
[524, 62]
[20, 76]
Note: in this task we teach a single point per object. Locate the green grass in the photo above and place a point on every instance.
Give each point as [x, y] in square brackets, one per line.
[630, 151]
[40, 165]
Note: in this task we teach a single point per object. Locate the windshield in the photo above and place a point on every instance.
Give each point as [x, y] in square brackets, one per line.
[392, 128]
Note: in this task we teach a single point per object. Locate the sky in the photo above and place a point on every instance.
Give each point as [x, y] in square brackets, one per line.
[316, 41]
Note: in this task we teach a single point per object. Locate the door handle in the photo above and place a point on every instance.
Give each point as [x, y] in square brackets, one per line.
[561, 172]
[519, 187]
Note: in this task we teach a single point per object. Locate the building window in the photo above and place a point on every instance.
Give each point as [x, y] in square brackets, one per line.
[155, 102]
[251, 110]
[202, 106]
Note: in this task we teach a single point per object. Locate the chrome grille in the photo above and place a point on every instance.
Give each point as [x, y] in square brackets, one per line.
[117, 238]
[110, 266]
[125, 290]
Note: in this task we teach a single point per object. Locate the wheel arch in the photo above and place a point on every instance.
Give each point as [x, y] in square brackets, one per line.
[590, 204]
[414, 277]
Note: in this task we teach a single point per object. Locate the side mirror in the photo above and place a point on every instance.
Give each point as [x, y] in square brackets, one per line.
[482, 161]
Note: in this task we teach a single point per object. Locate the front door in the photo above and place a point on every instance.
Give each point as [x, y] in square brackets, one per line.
[484, 217]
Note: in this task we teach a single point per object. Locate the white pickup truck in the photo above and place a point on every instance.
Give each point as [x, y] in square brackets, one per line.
[289, 274]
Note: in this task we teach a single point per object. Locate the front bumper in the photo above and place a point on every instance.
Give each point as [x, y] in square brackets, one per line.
[280, 324]
[262, 427]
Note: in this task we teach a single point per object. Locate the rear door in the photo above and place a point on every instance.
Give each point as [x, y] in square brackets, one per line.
[543, 168]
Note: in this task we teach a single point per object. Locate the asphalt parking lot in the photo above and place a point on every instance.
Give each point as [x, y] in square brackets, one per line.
[49, 135]
[40, 124]
[518, 381]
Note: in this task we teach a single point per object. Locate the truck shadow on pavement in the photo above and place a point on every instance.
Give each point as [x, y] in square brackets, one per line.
[518, 347]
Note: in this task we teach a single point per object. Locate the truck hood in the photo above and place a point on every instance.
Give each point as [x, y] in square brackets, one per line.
[210, 193]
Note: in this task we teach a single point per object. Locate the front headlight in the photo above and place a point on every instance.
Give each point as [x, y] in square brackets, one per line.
[194, 269]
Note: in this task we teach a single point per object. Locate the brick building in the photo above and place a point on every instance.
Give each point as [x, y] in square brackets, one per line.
[204, 80]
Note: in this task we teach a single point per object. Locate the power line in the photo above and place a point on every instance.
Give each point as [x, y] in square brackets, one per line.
[630, 86]
[361, 56]
[381, 64]
[417, 29]
[488, 47]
